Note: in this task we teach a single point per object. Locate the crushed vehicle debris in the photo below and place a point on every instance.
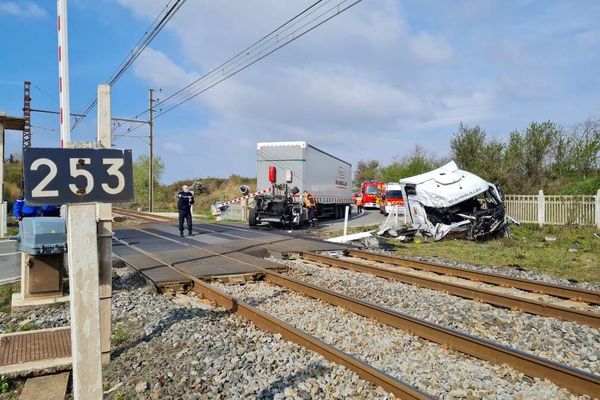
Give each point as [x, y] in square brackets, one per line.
[448, 202]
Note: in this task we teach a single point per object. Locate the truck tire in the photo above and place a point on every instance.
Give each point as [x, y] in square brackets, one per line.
[252, 217]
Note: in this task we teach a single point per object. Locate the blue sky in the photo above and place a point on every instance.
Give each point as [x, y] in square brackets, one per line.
[371, 83]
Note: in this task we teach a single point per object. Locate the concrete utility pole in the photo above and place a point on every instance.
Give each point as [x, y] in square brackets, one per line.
[104, 216]
[151, 158]
[82, 255]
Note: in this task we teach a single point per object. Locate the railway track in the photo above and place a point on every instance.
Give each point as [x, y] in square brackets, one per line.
[470, 292]
[564, 376]
[564, 292]
[140, 215]
[269, 323]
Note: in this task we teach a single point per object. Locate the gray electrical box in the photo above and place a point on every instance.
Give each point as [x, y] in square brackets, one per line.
[43, 235]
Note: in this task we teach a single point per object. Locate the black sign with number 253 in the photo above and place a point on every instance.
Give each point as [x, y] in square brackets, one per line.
[65, 176]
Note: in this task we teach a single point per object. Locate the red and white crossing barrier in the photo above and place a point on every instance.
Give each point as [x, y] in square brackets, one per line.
[63, 73]
[246, 196]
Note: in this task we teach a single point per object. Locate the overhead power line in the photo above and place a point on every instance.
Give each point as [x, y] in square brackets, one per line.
[301, 24]
[154, 29]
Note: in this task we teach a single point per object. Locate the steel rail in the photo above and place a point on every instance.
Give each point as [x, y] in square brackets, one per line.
[269, 323]
[141, 215]
[272, 324]
[575, 380]
[479, 294]
[587, 296]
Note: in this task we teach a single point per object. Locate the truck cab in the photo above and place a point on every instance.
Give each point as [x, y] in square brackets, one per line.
[392, 199]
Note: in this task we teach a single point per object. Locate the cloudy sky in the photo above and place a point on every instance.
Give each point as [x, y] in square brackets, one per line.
[371, 83]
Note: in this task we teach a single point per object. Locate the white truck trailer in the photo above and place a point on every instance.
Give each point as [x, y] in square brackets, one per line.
[288, 167]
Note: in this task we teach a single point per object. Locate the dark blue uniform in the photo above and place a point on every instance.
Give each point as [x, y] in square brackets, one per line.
[184, 206]
[22, 210]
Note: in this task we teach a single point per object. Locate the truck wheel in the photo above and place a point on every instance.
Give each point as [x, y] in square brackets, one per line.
[252, 217]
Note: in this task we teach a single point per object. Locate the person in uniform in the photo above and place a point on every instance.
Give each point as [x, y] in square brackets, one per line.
[359, 203]
[23, 210]
[185, 199]
[311, 205]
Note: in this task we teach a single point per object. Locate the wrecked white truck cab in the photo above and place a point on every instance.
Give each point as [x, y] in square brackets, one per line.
[450, 201]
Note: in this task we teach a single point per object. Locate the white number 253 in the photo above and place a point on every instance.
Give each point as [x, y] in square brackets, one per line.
[114, 165]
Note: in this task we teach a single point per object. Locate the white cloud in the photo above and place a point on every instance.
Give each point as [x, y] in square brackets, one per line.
[22, 9]
[160, 71]
[430, 48]
[175, 147]
[388, 73]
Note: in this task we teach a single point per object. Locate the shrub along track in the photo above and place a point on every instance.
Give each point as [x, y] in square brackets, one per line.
[570, 378]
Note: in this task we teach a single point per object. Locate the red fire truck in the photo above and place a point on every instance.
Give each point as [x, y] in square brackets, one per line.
[371, 193]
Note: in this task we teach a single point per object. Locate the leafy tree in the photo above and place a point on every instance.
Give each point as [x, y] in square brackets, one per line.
[417, 162]
[563, 156]
[491, 164]
[392, 172]
[586, 147]
[366, 170]
[538, 140]
[468, 147]
[141, 178]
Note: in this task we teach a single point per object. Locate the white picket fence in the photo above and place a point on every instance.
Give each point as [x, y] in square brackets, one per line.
[554, 210]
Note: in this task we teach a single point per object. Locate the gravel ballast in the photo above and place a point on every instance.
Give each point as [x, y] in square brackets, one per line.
[565, 342]
[512, 271]
[194, 353]
[185, 349]
[424, 364]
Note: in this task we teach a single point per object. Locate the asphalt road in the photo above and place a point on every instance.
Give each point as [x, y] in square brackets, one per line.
[368, 217]
[10, 261]
[10, 257]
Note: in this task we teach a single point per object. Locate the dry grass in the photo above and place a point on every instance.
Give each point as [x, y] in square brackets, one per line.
[526, 248]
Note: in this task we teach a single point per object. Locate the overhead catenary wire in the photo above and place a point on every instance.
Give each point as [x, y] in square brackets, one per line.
[254, 46]
[48, 94]
[153, 30]
[242, 54]
[260, 49]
